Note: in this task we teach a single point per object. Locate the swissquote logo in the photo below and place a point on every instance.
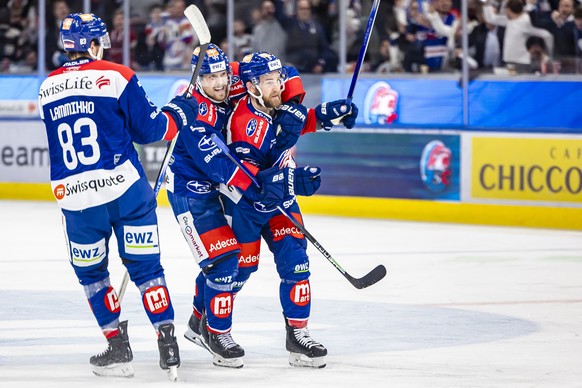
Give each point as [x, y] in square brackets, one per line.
[156, 299]
[102, 81]
[300, 293]
[380, 104]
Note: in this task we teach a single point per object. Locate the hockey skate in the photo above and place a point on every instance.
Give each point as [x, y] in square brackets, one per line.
[304, 351]
[169, 352]
[116, 359]
[225, 351]
[194, 332]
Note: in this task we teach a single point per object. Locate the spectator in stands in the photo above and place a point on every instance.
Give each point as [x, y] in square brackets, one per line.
[562, 27]
[440, 40]
[55, 53]
[541, 63]
[307, 47]
[485, 45]
[518, 28]
[10, 50]
[115, 53]
[268, 34]
[578, 38]
[242, 41]
[149, 52]
[179, 39]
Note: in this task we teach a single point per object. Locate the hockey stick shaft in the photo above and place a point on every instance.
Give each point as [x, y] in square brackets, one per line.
[197, 21]
[372, 277]
[363, 50]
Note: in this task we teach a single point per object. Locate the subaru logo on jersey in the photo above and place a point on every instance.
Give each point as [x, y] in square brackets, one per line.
[206, 144]
[202, 109]
[262, 208]
[435, 164]
[251, 127]
[234, 79]
[380, 104]
[199, 187]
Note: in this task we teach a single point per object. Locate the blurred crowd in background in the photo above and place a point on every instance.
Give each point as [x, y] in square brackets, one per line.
[412, 36]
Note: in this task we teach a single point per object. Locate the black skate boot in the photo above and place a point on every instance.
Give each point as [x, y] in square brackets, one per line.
[169, 352]
[115, 360]
[194, 332]
[226, 352]
[304, 350]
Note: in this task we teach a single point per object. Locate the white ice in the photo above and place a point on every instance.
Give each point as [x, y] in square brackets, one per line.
[461, 306]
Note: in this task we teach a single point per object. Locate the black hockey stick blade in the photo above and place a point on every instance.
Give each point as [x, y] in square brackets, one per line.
[372, 277]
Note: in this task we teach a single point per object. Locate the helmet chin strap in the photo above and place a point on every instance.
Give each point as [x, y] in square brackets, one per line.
[258, 97]
[99, 55]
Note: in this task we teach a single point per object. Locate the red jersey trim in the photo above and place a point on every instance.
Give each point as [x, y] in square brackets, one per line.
[171, 127]
[310, 123]
[240, 179]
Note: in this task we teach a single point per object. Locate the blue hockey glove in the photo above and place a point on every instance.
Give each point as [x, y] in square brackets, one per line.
[289, 123]
[336, 112]
[277, 184]
[306, 180]
[183, 110]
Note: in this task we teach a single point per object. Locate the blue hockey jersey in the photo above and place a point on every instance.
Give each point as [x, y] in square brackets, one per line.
[93, 111]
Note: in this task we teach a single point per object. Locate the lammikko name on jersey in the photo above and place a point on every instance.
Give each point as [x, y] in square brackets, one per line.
[72, 108]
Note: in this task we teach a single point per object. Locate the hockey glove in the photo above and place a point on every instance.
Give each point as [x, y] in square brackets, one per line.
[278, 184]
[306, 180]
[336, 112]
[289, 123]
[183, 110]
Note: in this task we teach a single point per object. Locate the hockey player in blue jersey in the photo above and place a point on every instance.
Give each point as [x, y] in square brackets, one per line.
[253, 134]
[93, 110]
[194, 174]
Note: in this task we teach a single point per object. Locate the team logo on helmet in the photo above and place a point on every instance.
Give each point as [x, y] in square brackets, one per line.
[380, 104]
[435, 166]
[251, 127]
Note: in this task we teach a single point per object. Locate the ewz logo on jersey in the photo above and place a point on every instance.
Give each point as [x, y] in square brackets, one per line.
[156, 299]
[380, 104]
[141, 240]
[221, 305]
[85, 255]
[435, 166]
[301, 293]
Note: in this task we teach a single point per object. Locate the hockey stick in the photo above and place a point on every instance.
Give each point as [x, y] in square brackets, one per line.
[363, 50]
[198, 23]
[367, 280]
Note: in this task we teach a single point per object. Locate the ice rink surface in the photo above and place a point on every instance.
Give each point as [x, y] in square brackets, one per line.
[462, 306]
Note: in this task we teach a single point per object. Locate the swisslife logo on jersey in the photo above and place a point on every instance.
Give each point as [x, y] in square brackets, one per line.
[102, 81]
[380, 104]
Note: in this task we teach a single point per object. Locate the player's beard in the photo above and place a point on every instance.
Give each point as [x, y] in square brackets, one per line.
[274, 100]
